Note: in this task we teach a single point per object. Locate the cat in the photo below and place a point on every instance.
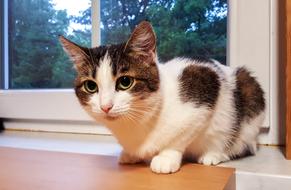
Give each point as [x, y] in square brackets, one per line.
[162, 113]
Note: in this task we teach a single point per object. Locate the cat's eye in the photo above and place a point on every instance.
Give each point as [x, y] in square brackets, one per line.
[90, 86]
[124, 83]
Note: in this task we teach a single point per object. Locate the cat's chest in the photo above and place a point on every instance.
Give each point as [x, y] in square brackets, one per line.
[132, 136]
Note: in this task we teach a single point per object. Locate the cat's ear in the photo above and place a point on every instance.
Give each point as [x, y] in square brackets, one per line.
[76, 53]
[142, 41]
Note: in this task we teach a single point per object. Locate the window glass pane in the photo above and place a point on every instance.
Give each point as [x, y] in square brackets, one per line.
[184, 27]
[36, 59]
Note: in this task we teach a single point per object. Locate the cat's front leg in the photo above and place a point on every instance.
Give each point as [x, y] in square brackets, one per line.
[167, 161]
[213, 158]
[125, 158]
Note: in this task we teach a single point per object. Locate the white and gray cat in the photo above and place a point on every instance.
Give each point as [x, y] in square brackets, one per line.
[162, 113]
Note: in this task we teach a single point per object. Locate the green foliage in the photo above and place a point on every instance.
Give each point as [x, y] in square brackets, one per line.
[186, 28]
[189, 28]
[36, 57]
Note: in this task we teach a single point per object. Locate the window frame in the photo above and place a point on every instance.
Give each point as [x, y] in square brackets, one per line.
[4, 45]
[1, 44]
[271, 132]
[12, 100]
[14, 103]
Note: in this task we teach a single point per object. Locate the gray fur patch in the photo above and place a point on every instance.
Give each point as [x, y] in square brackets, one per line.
[249, 102]
[199, 84]
[248, 96]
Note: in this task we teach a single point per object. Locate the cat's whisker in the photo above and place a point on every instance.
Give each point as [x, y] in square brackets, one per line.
[142, 113]
[141, 108]
[137, 114]
[124, 118]
[135, 117]
[132, 119]
[120, 109]
[138, 117]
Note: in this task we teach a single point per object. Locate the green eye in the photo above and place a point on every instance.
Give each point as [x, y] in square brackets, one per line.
[90, 86]
[124, 83]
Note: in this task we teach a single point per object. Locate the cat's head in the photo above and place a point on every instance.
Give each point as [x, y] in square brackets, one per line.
[117, 81]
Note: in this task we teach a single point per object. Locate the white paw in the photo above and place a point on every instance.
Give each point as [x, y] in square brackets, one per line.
[125, 158]
[210, 159]
[164, 164]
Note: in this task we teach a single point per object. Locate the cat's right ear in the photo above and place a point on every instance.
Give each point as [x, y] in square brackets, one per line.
[75, 52]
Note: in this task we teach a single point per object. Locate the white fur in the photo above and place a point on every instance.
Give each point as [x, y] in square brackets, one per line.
[167, 161]
[107, 94]
[106, 87]
[165, 129]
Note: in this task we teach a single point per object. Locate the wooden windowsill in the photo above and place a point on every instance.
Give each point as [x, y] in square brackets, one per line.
[35, 169]
[268, 169]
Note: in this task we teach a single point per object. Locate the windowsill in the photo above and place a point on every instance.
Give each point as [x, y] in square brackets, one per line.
[267, 170]
[63, 142]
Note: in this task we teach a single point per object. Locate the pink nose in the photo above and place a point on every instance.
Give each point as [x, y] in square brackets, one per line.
[106, 108]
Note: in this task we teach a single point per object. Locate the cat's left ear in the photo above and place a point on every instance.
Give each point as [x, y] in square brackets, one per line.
[142, 41]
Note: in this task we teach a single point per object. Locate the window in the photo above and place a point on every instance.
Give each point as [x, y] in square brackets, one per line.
[183, 28]
[36, 59]
[191, 28]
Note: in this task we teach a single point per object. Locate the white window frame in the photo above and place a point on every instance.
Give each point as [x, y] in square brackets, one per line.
[264, 39]
[44, 109]
[47, 110]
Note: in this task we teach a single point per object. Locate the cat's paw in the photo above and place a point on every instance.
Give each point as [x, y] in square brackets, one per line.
[164, 164]
[212, 159]
[125, 158]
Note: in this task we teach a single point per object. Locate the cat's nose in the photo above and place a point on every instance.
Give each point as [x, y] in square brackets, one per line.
[106, 108]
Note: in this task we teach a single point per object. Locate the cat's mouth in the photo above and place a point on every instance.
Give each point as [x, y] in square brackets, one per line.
[111, 117]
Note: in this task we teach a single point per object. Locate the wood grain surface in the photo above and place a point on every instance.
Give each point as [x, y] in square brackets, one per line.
[288, 77]
[45, 170]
